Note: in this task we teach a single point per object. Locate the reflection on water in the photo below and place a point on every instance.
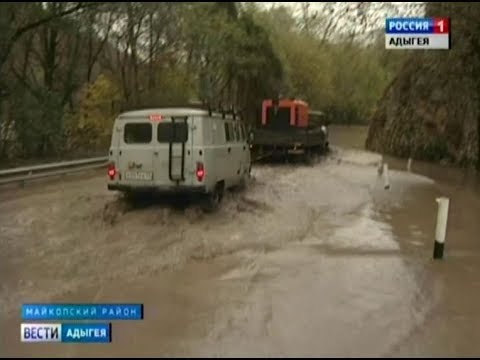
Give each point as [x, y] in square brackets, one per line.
[445, 176]
[453, 285]
[348, 136]
[460, 185]
[310, 260]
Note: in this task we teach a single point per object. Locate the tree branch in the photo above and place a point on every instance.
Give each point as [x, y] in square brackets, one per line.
[81, 6]
[37, 94]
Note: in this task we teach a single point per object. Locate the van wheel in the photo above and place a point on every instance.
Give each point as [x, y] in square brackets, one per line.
[131, 197]
[213, 200]
[137, 199]
[242, 186]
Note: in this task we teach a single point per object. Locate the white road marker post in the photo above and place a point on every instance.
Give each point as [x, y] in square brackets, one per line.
[409, 165]
[441, 230]
[386, 177]
[380, 167]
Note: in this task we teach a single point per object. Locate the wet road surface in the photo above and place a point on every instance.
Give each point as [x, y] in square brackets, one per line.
[308, 261]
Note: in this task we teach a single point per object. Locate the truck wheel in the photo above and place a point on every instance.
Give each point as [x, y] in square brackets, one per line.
[213, 200]
[307, 156]
[131, 197]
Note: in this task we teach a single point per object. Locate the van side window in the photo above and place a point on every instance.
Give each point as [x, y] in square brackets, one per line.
[209, 130]
[218, 132]
[228, 132]
[232, 131]
[137, 133]
[176, 133]
[242, 132]
[236, 132]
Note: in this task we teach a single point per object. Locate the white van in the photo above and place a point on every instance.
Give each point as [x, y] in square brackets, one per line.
[182, 150]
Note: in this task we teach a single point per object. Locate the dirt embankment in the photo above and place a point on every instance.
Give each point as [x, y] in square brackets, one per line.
[431, 111]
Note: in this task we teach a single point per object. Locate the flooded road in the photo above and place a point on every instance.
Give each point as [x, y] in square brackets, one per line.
[308, 261]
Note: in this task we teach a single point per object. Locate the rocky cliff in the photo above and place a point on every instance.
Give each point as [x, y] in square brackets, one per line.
[431, 111]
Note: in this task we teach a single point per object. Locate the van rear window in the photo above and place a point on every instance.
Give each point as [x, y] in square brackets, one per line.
[137, 133]
[236, 132]
[172, 132]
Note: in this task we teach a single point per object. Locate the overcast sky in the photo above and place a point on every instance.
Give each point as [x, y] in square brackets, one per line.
[377, 11]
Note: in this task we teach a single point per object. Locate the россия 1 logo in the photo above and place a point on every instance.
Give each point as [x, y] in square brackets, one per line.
[417, 33]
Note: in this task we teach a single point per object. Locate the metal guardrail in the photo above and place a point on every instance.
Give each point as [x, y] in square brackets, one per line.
[25, 173]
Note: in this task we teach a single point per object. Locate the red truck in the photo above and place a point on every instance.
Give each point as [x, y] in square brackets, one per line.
[287, 127]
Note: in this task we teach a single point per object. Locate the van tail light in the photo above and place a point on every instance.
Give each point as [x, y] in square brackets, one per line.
[112, 171]
[200, 171]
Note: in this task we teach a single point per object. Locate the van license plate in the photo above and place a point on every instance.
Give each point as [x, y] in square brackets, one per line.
[138, 175]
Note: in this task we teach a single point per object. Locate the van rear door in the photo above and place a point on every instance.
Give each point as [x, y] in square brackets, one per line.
[173, 151]
[135, 160]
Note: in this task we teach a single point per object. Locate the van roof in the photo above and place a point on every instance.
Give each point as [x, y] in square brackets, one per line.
[164, 112]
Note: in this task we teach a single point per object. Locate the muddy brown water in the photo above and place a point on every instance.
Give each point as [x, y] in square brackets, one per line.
[308, 261]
